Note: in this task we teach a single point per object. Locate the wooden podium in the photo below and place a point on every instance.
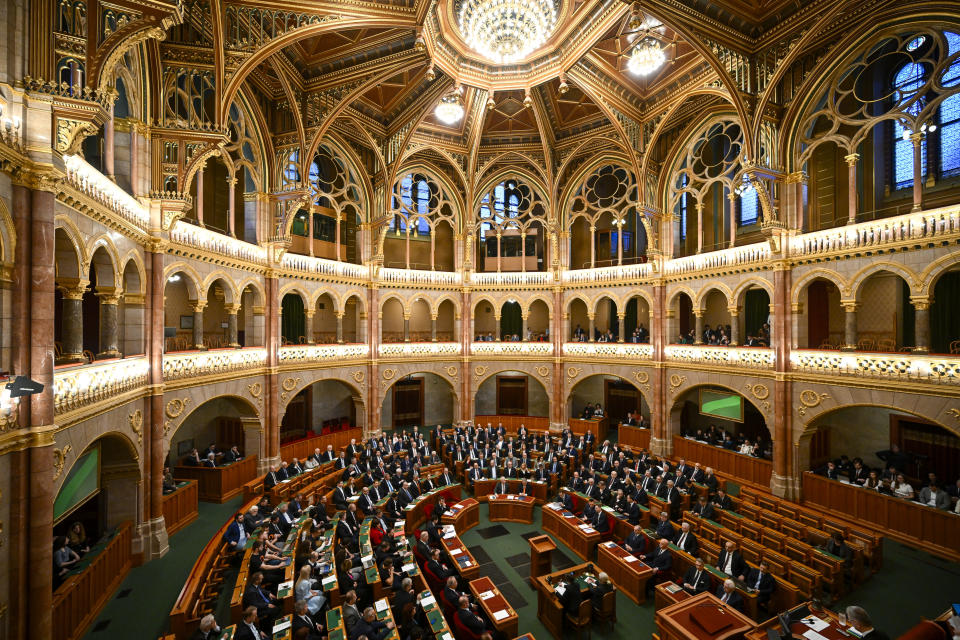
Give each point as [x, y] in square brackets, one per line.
[541, 548]
[702, 617]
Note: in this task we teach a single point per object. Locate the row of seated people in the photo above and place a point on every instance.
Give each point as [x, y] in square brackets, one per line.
[478, 439]
[212, 456]
[891, 479]
[738, 443]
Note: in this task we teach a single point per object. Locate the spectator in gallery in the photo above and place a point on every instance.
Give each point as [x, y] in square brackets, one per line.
[902, 489]
[933, 496]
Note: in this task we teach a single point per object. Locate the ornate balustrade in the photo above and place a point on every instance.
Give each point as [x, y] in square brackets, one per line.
[324, 267]
[513, 278]
[419, 349]
[924, 225]
[93, 184]
[625, 273]
[75, 387]
[192, 364]
[615, 350]
[538, 349]
[746, 357]
[881, 366]
[419, 276]
[723, 259]
[306, 353]
[199, 238]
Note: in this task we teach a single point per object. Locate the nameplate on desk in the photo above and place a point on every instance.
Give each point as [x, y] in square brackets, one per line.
[500, 615]
[486, 595]
[630, 558]
[381, 605]
[407, 568]
[428, 601]
[329, 582]
[283, 626]
[285, 585]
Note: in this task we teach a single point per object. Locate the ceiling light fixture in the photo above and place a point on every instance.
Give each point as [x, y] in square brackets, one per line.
[505, 31]
[646, 57]
[450, 109]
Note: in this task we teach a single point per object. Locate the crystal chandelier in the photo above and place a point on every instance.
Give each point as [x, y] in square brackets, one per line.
[646, 58]
[450, 109]
[506, 30]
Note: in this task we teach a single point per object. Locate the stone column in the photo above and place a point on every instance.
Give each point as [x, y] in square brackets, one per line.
[198, 205]
[593, 246]
[852, 187]
[433, 327]
[232, 337]
[661, 434]
[732, 204]
[523, 252]
[921, 323]
[337, 238]
[734, 325]
[797, 179]
[499, 253]
[621, 321]
[109, 327]
[231, 207]
[253, 441]
[698, 316]
[406, 245]
[849, 326]
[198, 324]
[156, 542]
[499, 333]
[135, 133]
[699, 227]
[917, 139]
[406, 327]
[340, 327]
[523, 326]
[311, 335]
[619, 242]
[272, 393]
[590, 336]
[108, 143]
[72, 323]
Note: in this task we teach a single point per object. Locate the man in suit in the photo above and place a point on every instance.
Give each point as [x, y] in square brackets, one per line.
[468, 618]
[445, 478]
[567, 501]
[760, 581]
[933, 496]
[436, 567]
[722, 500]
[664, 528]
[272, 478]
[236, 534]
[635, 542]
[232, 455]
[258, 597]
[727, 593]
[704, 509]
[351, 613]
[501, 487]
[696, 580]
[451, 596]
[686, 540]
[660, 560]
[247, 629]
[600, 521]
[370, 627]
[860, 620]
[208, 629]
[831, 471]
[632, 509]
[859, 473]
[366, 502]
[340, 497]
[406, 595]
[571, 596]
[731, 562]
[302, 620]
[253, 519]
[710, 480]
[405, 496]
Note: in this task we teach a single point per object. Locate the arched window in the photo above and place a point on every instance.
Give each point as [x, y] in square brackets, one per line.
[682, 208]
[950, 116]
[423, 197]
[513, 202]
[907, 81]
[749, 205]
[291, 172]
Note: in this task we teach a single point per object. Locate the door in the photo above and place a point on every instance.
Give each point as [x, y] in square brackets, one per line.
[512, 395]
[620, 400]
[408, 403]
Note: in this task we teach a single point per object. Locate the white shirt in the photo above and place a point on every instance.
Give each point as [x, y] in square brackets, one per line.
[932, 502]
[728, 566]
[903, 491]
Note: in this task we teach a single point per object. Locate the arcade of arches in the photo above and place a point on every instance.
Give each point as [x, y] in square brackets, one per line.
[231, 225]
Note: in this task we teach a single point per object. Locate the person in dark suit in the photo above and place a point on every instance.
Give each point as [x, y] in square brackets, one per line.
[567, 502]
[258, 597]
[247, 629]
[704, 509]
[604, 586]
[760, 581]
[632, 510]
[302, 620]
[727, 592]
[232, 455]
[696, 580]
[406, 595]
[686, 540]
[660, 560]
[340, 497]
[272, 478]
[635, 542]
[451, 596]
[436, 567]
[236, 534]
[571, 596]
[722, 500]
[207, 630]
[501, 487]
[731, 562]
[351, 614]
[468, 618]
[664, 528]
[370, 627]
[860, 620]
[600, 521]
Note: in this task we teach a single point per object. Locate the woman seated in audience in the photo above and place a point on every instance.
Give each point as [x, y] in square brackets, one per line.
[874, 483]
[77, 538]
[746, 448]
[63, 558]
[902, 489]
[604, 586]
[304, 591]
[722, 338]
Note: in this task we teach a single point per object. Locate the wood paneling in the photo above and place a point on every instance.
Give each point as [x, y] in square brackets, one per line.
[219, 484]
[744, 468]
[180, 507]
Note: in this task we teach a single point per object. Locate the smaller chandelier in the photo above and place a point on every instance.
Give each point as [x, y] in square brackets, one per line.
[646, 58]
[450, 109]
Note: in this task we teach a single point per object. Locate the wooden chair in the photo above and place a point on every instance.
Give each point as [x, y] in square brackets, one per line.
[608, 609]
[826, 345]
[886, 344]
[954, 347]
[866, 344]
[89, 355]
[583, 619]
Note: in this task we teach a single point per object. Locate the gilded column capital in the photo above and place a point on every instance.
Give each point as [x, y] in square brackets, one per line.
[198, 306]
[851, 159]
[232, 309]
[797, 177]
[72, 288]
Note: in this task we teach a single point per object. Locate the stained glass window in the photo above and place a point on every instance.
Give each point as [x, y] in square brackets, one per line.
[908, 80]
[749, 205]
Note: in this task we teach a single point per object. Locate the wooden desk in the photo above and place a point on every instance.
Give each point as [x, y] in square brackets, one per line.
[460, 556]
[755, 471]
[668, 593]
[702, 617]
[219, 484]
[630, 576]
[797, 629]
[483, 488]
[597, 425]
[438, 624]
[635, 437]
[464, 515]
[416, 513]
[541, 550]
[619, 524]
[566, 526]
[494, 604]
[180, 506]
[549, 609]
[286, 622]
[511, 508]
[385, 615]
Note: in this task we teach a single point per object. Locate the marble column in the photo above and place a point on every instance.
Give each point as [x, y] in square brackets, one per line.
[198, 325]
[523, 327]
[433, 327]
[72, 323]
[499, 253]
[732, 205]
[621, 322]
[699, 227]
[232, 337]
[406, 327]
[698, 323]
[921, 323]
[311, 335]
[340, 327]
[231, 208]
[499, 333]
[109, 324]
[852, 187]
[917, 139]
[593, 246]
[734, 325]
[590, 336]
[198, 205]
[849, 326]
[523, 252]
[109, 128]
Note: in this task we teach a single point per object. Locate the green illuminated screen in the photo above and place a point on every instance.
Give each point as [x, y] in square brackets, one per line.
[82, 482]
[721, 404]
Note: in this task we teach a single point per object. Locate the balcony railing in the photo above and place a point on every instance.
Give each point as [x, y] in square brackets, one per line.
[513, 278]
[538, 349]
[723, 259]
[199, 238]
[883, 366]
[616, 350]
[419, 349]
[625, 272]
[303, 353]
[193, 364]
[80, 386]
[324, 267]
[87, 180]
[419, 276]
[747, 357]
[925, 225]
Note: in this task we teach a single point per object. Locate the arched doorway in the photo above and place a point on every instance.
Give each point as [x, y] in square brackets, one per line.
[293, 321]
[419, 400]
[709, 412]
[618, 396]
[820, 325]
[511, 322]
[511, 393]
[223, 421]
[322, 407]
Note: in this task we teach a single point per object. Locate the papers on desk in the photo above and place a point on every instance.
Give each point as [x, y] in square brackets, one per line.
[448, 535]
[583, 526]
[353, 498]
[381, 605]
[457, 507]
[813, 635]
[589, 530]
[409, 568]
[367, 561]
[446, 636]
[553, 505]
[815, 623]
[500, 615]
[630, 558]
[609, 545]
[285, 586]
[560, 590]
[329, 582]
[448, 512]
[486, 595]
[427, 601]
[282, 626]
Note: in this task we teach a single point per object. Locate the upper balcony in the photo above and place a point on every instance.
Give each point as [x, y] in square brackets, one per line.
[603, 275]
[300, 354]
[513, 349]
[512, 279]
[910, 367]
[420, 350]
[614, 350]
[739, 357]
[215, 362]
[79, 386]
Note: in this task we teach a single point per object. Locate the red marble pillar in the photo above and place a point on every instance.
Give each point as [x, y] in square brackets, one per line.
[661, 439]
[374, 392]
[785, 479]
[466, 338]
[272, 428]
